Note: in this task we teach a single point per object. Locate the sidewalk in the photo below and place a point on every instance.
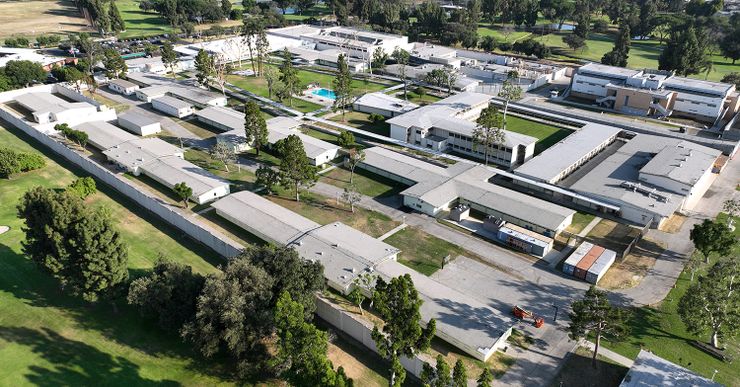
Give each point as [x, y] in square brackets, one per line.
[609, 354]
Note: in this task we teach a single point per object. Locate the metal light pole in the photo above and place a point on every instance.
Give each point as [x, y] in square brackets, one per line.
[555, 317]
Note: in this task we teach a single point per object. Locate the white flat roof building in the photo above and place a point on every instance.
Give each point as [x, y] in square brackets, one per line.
[131, 155]
[383, 104]
[435, 188]
[103, 135]
[448, 125]
[46, 107]
[419, 73]
[172, 106]
[652, 196]
[561, 159]
[221, 118]
[46, 61]
[139, 123]
[651, 370]
[122, 86]
[173, 170]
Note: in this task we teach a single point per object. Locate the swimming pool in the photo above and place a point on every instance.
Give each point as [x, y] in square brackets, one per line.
[326, 93]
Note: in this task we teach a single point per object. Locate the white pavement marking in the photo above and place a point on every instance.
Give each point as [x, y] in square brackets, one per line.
[395, 230]
[609, 354]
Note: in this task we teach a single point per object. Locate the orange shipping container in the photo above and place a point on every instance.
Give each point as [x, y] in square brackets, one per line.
[587, 261]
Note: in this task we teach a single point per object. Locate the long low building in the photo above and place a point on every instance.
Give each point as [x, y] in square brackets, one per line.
[650, 177]
[449, 124]
[563, 158]
[383, 104]
[171, 170]
[346, 253]
[46, 107]
[232, 123]
[139, 123]
[651, 370]
[435, 188]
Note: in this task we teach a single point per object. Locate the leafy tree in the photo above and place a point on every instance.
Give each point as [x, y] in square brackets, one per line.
[619, 55]
[574, 41]
[262, 47]
[379, 59]
[488, 43]
[251, 26]
[732, 78]
[685, 52]
[342, 85]
[730, 44]
[557, 11]
[289, 273]
[488, 131]
[712, 237]
[485, 379]
[233, 314]
[295, 168]
[346, 139]
[302, 348]
[12, 162]
[22, 73]
[203, 67]
[355, 157]
[223, 153]
[459, 375]
[397, 304]
[115, 66]
[255, 126]
[595, 314]
[168, 294]
[83, 187]
[401, 57]
[289, 77]
[76, 245]
[509, 92]
[17, 42]
[267, 177]
[582, 18]
[184, 192]
[117, 24]
[271, 78]
[352, 196]
[169, 57]
[712, 304]
[226, 7]
[732, 208]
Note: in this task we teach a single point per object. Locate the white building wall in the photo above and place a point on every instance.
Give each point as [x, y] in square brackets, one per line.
[589, 85]
[211, 195]
[122, 90]
[172, 110]
[145, 130]
[697, 104]
[399, 132]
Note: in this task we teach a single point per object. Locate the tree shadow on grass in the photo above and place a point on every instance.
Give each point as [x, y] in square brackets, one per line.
[74, 362]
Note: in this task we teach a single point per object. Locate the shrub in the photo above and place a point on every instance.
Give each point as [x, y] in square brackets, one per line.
[488, 43]
[17, 42]
[48, 40]
[376, 118]
[532, 47]
[601, 26]
[83, 187]
[12, 162]
[505, 46]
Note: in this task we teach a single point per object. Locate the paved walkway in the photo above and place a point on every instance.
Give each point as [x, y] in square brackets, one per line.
[609, 354]
[589, 227]
[395, 230]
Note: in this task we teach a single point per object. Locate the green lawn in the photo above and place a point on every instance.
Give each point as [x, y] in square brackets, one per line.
[361, 121]
[660, 330]
[257, 85]
[580, 221]
[367, 183]
[418, 99]
[421, 251]
[485, 29]
[547, 135]
[328, 137]
[47, 338]
[140, 23]
[240, 179]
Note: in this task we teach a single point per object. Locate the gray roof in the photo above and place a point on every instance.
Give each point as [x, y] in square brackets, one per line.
[444, 115]
[609, 71]
[194, 94]
[263, 217]
[148, 79]
[173, 102]
[172, 170]
[282, 127]
[652, 370]
[569, 151]
[104, 135]
[438, 186]
[607, 178]
[386, 102]
[700, 86]
[137, 119]
[154, 90]
[458, 316]
[229, 118]
[684, 162]
[123, 83]
[424, 51]
[136, 153]
[48, 103]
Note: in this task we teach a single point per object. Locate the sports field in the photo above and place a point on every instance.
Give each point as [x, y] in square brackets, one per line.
[33, 18]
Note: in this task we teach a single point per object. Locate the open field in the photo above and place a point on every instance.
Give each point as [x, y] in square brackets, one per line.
[367, 183]
[33, 18]
[362, 121]
[421, 251]
[257, 85]
[659, 329]
[578, 371]
[546, 135]
[140, 23]
[49, 338]
[417, 98]
[612, 235]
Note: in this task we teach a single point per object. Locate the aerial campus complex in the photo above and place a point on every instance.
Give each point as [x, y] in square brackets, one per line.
[594, 181]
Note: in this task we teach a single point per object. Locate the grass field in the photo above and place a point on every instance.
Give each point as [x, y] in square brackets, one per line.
[546, 135]
[361, 121]
[140, 23]
[421, 251]
[48, 338]
[659, 329]
[33, 18]
[367, 183]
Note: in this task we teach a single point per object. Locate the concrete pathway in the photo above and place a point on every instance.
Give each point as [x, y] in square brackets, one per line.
[589, 227]
[609, 354]
[395, 230]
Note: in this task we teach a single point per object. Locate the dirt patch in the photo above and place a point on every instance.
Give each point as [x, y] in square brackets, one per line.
[33, 18]
[629, 272]
[578, 371]
[673, 224]
[4, 229]
[612, 235]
